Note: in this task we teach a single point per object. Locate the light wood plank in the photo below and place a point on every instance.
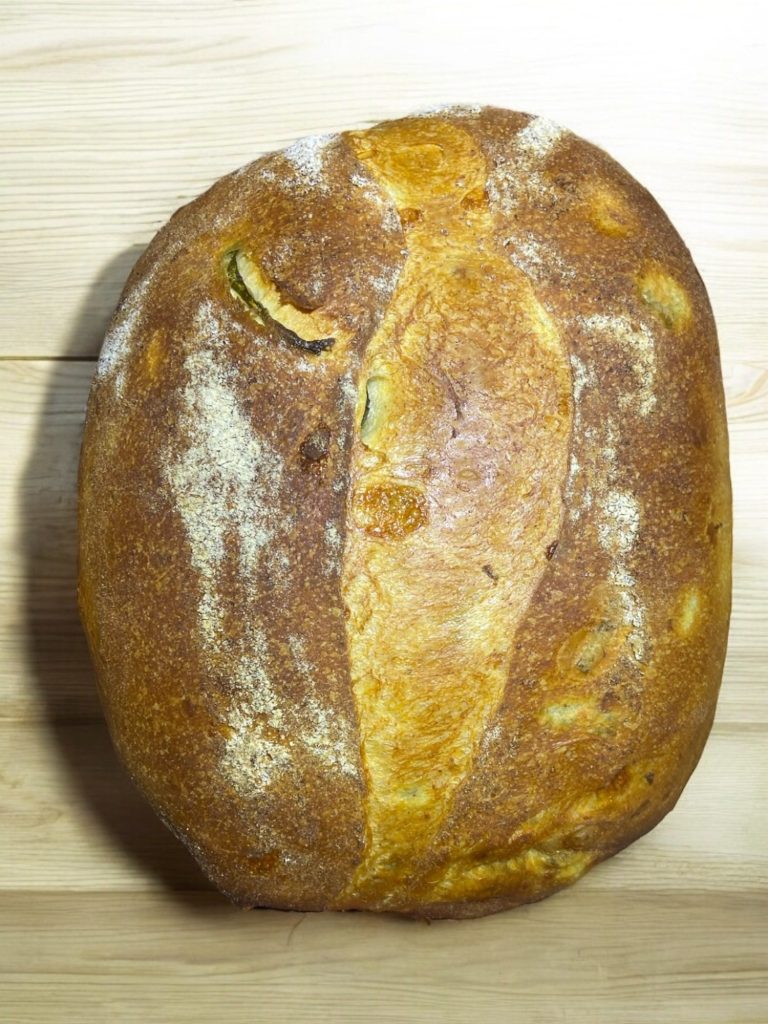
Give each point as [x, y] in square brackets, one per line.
[578, 958]
[74, 820]
[77, 823]
[106, 136]
[44, 664]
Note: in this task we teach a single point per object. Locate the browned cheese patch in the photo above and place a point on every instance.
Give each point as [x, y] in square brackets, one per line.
[689, 611]
[608, 210]
[665, 296]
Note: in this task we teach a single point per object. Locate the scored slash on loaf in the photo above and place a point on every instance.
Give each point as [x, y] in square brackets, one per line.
[405, 518]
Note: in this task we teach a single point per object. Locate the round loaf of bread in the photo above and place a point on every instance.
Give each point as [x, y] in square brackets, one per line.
[405, 518]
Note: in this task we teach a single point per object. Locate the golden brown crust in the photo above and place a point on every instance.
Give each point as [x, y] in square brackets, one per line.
[493, 298]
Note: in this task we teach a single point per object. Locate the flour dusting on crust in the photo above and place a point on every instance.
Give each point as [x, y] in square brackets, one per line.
[325, 734]
[266, 733]
[641, 348]
[618, 530]
[452, 109]
[118, 339]
[539, 137]
[306, 158]
[634, 611]
[126, 324]
[224, 482]
[617, 511]
[390, 218]
[226, 479]
[515, 172]
[332, 562]
[538, 258]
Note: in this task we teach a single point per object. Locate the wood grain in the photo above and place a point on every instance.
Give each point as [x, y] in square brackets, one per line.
[116, 120]
[112, 116]
[623, 958]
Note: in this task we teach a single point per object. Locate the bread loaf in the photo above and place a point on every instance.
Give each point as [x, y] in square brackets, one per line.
[405, 518]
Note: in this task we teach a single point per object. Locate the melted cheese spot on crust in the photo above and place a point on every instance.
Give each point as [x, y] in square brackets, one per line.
[665, 296]
[609, 211]
[688, 610]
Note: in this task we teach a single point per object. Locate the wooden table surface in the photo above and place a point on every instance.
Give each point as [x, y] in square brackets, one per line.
[113, 115]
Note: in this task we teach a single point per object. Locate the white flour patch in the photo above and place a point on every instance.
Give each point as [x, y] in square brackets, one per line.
[251, 677]
[369, 188]
[582, 376]
[634, 612]
[346, 403]
[390, 218]
[454, 109]
[256, 752]
[621, 521]
[325, 734]
[332, 537]
[537, 258]
[515, 174]
[265, 172]
[218, 325]
[574, 470]
[332, 561]
[491, 736]
[118, 339]
[348, 391]
[253, 760]
[617, 511]
[223, 483]
[640, 345]
[503, 184]
[386, 283]
[539, 137]
[224, 479]
[298, 649]
[307, 159]
[279, 566]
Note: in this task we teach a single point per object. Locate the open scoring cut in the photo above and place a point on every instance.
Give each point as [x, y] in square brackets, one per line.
[416, 486]
[307, 331]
